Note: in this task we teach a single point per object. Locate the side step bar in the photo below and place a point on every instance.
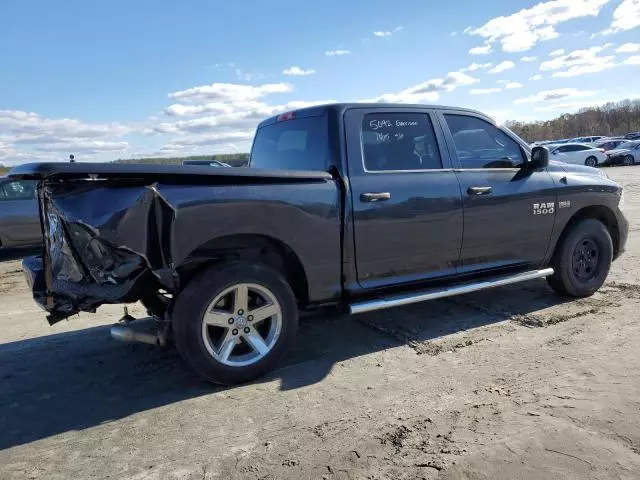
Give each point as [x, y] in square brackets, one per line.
[442, 292]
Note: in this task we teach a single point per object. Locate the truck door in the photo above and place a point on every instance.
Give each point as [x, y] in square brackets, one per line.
[407, 207]
[508, 211]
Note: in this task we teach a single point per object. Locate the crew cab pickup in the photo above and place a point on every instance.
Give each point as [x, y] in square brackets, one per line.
[355, 206]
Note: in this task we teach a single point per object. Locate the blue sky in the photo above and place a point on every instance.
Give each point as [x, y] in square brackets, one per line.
[119, 79]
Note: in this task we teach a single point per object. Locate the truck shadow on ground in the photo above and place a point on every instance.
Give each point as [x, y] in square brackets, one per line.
[77, 380]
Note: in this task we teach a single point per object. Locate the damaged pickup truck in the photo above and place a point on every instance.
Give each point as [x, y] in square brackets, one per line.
[355, 206]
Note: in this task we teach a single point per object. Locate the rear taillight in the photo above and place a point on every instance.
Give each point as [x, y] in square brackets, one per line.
[601, 149]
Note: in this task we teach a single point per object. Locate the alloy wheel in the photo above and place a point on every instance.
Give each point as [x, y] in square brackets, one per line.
[242, 324]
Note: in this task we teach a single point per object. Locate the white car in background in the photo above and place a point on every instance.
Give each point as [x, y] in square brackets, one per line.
[578, 154]
[587, 140]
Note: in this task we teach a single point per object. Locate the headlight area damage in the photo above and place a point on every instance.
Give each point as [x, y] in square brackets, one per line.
[103, 244]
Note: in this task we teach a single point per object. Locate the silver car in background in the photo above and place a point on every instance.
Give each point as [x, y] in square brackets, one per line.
[19, 215]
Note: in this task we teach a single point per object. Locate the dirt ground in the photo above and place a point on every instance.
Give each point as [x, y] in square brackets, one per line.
[512, 383]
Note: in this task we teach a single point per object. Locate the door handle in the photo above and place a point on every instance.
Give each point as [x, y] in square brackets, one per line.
[479, 190]
[375, 197]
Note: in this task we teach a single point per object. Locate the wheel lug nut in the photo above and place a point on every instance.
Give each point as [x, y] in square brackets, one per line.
[230, 321]
[247, 330]
[240, 312]
[235, 331]
[250, 318]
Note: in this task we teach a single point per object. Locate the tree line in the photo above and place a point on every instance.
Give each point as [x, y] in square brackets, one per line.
[233, 159]
[610, 119]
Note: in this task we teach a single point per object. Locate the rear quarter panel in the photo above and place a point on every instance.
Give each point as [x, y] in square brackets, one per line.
[167, 223]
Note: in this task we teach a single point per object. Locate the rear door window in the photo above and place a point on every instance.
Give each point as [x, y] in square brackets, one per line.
[296, 144]
[399, 141]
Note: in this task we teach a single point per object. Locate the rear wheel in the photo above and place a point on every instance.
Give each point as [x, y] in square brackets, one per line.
[233, 323]
[628, 160]
[582, 260]
[591, 162]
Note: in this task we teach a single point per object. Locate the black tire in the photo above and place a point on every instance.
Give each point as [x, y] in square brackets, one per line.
[628, 160]
[574, 277]
[189, 310]
[591, 162]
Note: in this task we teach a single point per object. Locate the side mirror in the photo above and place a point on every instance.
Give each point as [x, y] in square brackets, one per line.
[539, 157]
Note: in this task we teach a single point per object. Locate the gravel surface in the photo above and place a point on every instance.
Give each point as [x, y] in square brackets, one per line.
[512, 383]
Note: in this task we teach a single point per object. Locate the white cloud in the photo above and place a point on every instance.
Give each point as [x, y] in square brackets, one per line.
[536, 77]
[528, 59]
[336, 53]
[484, 50]
[297, 71]
[453, 34]
[83, 145]
[502, 66]
[626, 16]
[628, 48]
[557, 53]
[512, 85]
[578, 62]
[476, 66]
[220, 116]
[522, 30]
[230, 91]
[386, 33]
[428, 91]
[633, 60]
[555, 95]
[30, 136]
[19, 122]
[484, 91]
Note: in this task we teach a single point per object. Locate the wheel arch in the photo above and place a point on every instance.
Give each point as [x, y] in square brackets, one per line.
[597, 212]
[253, 248]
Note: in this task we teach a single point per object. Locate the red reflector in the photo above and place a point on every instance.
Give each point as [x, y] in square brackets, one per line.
[287, 116]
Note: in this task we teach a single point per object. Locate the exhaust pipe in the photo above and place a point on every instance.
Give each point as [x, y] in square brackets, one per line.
[125, 333]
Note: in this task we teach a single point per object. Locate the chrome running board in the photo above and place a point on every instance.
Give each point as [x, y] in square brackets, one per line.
[442, 292]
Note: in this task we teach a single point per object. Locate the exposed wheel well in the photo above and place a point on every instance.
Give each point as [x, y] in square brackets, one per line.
[597, 212]
[254, 248]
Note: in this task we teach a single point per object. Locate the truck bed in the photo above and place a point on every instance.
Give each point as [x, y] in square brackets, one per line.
[117, 233]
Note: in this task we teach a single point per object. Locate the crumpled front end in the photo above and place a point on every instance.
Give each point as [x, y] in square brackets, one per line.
[103, 244]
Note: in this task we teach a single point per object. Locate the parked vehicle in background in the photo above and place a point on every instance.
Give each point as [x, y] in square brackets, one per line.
[578, 154]
[609, 143]
[210, 163]
[19, 215]
[354, 206]
[632, 136]
[628, 153]
[587, 140]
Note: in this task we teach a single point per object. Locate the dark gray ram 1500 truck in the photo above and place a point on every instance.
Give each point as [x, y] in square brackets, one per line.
[357, 206]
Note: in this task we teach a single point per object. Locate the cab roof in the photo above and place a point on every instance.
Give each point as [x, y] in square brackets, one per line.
[340, 108]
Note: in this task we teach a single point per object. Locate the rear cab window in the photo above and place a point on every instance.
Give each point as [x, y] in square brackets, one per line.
[300, 143]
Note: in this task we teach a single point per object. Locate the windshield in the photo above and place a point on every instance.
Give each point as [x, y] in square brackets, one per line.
[297, 144]
[628, 145]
